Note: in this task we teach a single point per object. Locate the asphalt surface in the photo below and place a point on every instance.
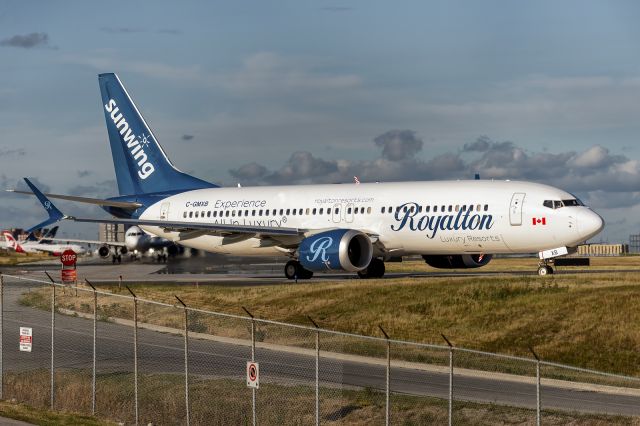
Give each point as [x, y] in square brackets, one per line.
[162, 352]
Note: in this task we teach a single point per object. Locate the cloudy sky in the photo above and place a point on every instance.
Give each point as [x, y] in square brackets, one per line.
[297, 92]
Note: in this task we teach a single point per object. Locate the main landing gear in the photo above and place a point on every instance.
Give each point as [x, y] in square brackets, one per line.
[374, 270]
[294, 270]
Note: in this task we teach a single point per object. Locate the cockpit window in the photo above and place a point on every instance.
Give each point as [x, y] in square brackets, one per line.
[572, 203]
[556, 204]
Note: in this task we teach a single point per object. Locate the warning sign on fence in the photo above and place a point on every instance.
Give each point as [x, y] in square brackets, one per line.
[253, 375]
[26, 339]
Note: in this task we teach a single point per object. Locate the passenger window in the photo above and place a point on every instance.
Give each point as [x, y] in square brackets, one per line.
[478, 207]
[185, 215]
[321, 210]
[427, 209]
[233, 213]
[486, 207]
[288, 212]
[349, 210]
[209, 213]
[457, 207]
[196, 214]
[443, 208]
[260, 212]
[382, 210]
[294, 212]
[314, 212]
[281, 212]
[307, 211]
[450, 208]
[368, 210]
[300, 212]
[337, 210]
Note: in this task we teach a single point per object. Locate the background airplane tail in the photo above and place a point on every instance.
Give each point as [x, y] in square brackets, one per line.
[140, 163]
[12, 243]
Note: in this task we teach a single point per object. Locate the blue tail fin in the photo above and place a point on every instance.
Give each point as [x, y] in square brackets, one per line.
[141, 164]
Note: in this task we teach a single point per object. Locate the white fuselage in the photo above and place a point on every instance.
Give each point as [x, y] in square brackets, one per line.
[436, 217]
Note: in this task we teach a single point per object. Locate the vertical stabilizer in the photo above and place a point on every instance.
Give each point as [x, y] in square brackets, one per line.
[140, 163]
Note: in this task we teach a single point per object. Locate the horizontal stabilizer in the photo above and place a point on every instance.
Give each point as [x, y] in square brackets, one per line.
[54, 214]
[97, 201]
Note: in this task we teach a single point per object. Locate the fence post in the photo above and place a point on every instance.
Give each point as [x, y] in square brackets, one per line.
[537, 385]
[135, 351]
[53, 329]
[253, 358]
[450, 378]
[317, 370]
[95, 333]
[388, 376]
[1, 336]
[186, 359]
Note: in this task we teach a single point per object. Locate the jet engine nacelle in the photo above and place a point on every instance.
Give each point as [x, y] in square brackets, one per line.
[104, 252]
[462, 261]
[339, 249]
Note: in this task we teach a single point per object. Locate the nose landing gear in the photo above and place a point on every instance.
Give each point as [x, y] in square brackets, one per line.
[544, 269]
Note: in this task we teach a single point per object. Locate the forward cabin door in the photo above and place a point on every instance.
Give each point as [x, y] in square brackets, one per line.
[515, 211]
[164, 211]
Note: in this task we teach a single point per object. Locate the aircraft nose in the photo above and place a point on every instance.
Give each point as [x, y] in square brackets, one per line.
[589, 223]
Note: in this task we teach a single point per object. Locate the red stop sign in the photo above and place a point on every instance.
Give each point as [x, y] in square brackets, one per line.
[68, 257]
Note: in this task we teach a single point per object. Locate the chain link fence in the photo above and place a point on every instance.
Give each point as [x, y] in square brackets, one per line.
[137, 361]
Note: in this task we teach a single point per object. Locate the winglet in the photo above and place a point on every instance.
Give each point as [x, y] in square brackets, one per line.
[54, 214]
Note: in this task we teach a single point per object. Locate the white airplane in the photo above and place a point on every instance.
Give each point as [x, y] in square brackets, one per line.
[136, 241]
[39, 247]
[355, 228]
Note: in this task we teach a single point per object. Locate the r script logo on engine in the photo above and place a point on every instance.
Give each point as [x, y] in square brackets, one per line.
[319, 249]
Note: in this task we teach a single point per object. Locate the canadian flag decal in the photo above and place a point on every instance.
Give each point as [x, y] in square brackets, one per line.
[539, 220]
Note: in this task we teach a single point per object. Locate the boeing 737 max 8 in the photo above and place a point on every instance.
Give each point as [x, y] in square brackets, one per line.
[348, 227]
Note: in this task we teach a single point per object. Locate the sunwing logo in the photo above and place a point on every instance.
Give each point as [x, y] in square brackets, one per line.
[134, 143]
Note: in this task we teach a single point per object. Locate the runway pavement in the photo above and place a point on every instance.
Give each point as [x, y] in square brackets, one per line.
[163, 352]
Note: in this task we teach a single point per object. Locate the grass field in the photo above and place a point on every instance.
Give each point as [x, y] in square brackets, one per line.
[585, 320]
[11, 259]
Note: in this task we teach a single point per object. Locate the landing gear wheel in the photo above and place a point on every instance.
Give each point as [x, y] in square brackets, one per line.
[294, 269]
[374, 270]
[545, 270]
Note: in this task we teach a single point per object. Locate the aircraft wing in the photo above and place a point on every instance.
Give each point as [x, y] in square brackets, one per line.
[212, 228]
